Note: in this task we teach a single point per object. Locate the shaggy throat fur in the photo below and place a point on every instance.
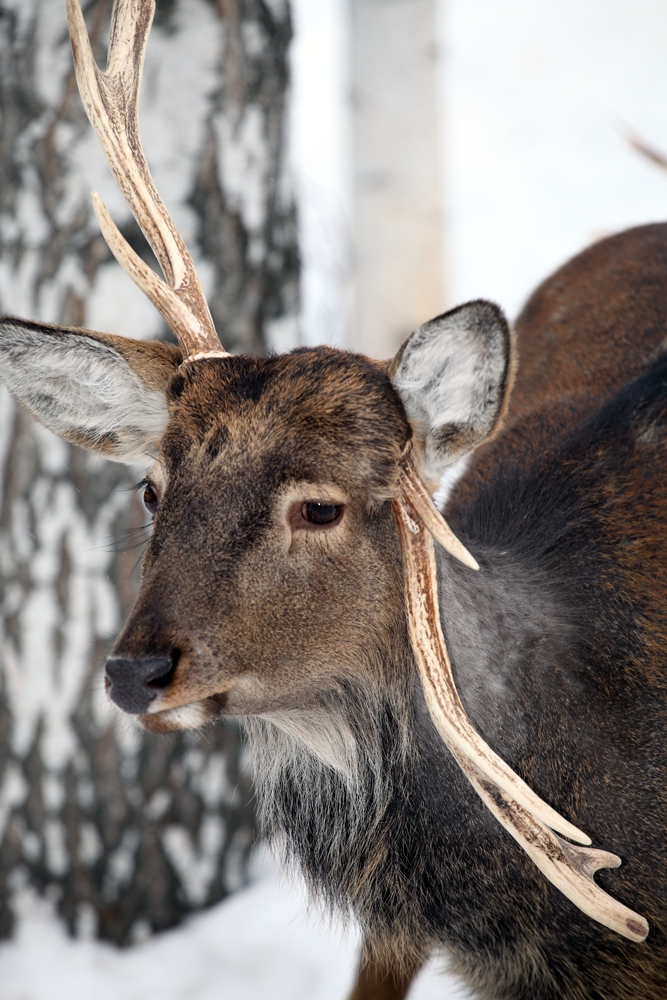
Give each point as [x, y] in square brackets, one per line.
[326, 780]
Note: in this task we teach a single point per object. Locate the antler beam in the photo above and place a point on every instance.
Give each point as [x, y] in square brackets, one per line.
[111, 100]
[523, 813]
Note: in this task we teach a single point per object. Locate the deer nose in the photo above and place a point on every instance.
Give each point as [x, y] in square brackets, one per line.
[134, 683]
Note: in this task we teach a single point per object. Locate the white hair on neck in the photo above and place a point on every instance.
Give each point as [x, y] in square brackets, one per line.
[328, 737]
[317, 752]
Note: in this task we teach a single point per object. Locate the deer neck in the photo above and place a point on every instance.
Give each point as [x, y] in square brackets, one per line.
[509, 638]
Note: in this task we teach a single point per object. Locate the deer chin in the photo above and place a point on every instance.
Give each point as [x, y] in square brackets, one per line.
[190, 715]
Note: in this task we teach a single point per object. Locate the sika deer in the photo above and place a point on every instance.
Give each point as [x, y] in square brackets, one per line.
[291, 579]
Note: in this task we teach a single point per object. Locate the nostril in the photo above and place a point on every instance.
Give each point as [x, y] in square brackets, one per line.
[164, 673]
[134, 683]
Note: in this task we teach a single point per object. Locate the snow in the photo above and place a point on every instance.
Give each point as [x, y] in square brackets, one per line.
[263, 942]
[536, 101]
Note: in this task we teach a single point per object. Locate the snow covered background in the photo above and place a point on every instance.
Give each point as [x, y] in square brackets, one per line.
[536, 96]
[536, 99]
[261, 944]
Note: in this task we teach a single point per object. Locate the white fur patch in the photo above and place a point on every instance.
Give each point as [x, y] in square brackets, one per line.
[327, 737]
[185, 717]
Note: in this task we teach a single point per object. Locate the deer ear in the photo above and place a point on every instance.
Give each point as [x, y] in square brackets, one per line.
[105, 393]
[454, 378]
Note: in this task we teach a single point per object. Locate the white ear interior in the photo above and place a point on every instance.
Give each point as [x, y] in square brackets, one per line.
[453, 377]
[82, 389]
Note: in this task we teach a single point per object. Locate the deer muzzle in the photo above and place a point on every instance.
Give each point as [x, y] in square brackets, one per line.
[134, 683]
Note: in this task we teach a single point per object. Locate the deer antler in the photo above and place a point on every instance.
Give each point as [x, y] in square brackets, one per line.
[523, 813]
[418, 497]
[111, 101]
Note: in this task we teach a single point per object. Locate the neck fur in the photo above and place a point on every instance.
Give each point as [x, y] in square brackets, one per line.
[325, 776]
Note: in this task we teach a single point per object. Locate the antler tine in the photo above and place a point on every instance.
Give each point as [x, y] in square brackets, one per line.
[569, 867]
[111, 100]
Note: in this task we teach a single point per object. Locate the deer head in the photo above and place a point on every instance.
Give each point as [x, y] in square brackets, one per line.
[292, 550]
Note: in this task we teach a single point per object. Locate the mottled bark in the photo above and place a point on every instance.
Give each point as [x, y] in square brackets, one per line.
[124, 831]
[247, 223]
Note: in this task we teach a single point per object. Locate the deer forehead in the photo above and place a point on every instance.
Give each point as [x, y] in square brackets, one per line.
[317, 415]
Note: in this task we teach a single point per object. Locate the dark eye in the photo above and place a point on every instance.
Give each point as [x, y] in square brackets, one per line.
[321, 513]
[150, 499]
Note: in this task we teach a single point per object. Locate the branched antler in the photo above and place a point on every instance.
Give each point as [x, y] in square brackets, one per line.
[111, 100]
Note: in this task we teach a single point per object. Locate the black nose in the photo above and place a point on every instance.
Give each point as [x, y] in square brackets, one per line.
[134, 683]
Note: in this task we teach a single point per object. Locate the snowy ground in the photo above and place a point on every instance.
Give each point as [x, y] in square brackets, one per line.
[262, 944]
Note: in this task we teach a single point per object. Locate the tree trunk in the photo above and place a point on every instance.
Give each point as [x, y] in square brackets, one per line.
[124, 831]
[396, 181]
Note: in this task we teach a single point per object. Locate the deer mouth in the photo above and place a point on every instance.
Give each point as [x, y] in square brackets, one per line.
[192, 715]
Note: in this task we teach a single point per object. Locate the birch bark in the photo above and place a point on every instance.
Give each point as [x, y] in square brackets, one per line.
[125, 832]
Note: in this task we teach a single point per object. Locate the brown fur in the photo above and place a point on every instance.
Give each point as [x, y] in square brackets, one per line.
[378, 982]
